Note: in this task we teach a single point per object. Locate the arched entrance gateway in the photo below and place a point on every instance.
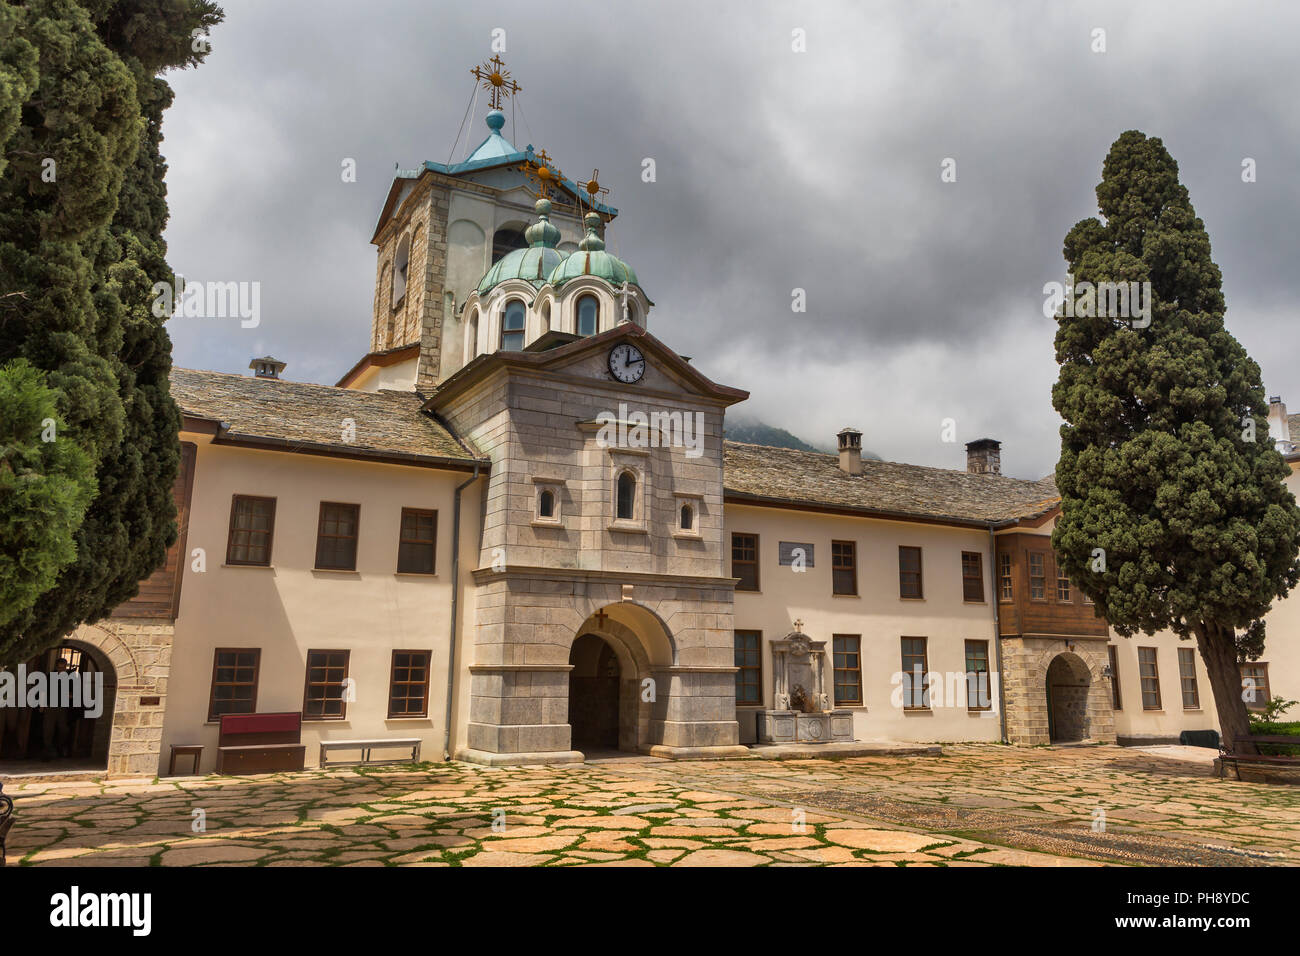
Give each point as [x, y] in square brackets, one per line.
[1068, 685]
[62, 734]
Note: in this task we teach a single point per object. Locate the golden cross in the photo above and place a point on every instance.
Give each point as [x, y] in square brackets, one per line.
[496, 80]
[798, 626]
[594, 188]
[540, 171]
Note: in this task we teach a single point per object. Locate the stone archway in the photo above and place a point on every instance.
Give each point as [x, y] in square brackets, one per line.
[614, 658]
[594, 690]
[1067, 688]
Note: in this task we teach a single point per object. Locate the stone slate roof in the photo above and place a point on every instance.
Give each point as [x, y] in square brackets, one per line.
[814, 479]
[311, 417]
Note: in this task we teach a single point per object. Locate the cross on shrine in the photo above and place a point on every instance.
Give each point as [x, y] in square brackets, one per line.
[496, 80]
[540, 171]
[601, 618]
[593, 188]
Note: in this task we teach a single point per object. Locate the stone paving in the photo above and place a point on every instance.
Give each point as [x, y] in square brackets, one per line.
[976, 805]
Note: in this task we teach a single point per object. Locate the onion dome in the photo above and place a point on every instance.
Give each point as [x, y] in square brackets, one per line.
[534, 262]
[591, 259]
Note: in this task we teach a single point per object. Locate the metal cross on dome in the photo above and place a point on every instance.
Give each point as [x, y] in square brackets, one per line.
[496, 80]
[593, 188]
[542, 173]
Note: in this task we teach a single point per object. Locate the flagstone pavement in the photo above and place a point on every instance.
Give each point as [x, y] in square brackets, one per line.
[975, 805]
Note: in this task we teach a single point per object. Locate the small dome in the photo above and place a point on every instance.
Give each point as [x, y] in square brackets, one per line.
[533, 263]
[591, 259]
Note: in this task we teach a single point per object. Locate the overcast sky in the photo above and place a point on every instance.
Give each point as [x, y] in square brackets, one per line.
[776, 170]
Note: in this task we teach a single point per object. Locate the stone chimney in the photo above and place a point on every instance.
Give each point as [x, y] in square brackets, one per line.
[984, 456]
[267, 367]
[850, 442]
[1279, 427]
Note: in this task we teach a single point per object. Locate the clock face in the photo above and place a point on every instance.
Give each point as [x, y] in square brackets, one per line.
[626, 363]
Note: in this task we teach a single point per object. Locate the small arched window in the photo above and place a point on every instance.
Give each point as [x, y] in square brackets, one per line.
[512, 326]
[688, 517]
[546, 505]
[626, 495]
[400, 264]
[588, 315]
[471, 338]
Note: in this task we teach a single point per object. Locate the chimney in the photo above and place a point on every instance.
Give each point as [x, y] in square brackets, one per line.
[984, 456]
[266, 367]
[850, 442]
[1279, 427]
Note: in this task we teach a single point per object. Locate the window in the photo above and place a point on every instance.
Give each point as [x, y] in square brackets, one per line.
[1062, 586]
[1149, 672]
[418, 544]
[408, 690]
[972, 576]
[626, 496]
[1114, 677]
[512, 326]
[471, 338]
[916, 691]
[744, 561]
[1187, 677]
[336, 537]
[1005, 591]
[234, 681]
[979, 689]
[506, 240]
[1254, 685]
[909, 572]
[844, 567]
[688, 518]
[401, 264]
[749, 660]
[546, 504]
[327, 686]
[1037, 576]
[252, 527]
[847, 649]
[588, 315]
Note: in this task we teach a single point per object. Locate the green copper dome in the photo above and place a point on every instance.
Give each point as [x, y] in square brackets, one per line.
[591, 259]
[533, 263]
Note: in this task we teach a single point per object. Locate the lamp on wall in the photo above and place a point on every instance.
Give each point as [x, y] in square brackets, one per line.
[1106, 671]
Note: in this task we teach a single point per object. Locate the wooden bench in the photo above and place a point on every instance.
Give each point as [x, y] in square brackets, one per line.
[365, 746]
[6, 821]
[1229, 755]
[260, 743]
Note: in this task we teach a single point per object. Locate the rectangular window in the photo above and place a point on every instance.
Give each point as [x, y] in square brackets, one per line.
[234, 681]
[791, 554]
[1062, 586]
[744, 561]
[749, 660]
[408, 690]
[1114, 677]
[252, 526]
[1005, 591]
[326, 695]
[844, 567]
[979, 688]
[909, 572]
[1037, 576]
[1254, 685]
[916, 690]
[416, 547]
[1149, 672]
[1187, 677]
[847, 650]
[336, 536]
[972, 576]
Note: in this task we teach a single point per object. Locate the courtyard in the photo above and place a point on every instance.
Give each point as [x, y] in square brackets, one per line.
[974, 805]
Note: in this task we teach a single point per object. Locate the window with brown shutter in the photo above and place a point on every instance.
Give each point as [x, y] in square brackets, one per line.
[1037, 576]
[408, 689]
[979, 687]
[909, 572]
[1005, 588]
[972, 576]
[916, 667]
[1187, 678]
[1149, 673]
[417, 545]
[1116, 701]
[749, 667]
[844, 567]
[234, 681]
[847, 651]
[744, 561]
[336, 536]
[1254, 685]
[252, 528]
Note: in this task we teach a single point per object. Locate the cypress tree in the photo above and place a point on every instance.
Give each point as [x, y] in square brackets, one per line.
[1174, 511]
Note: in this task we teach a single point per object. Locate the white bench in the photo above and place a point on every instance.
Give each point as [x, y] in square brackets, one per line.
[365, 746]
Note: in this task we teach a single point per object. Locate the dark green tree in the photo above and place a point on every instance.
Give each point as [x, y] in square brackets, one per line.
[1174, 511]
[80, 249]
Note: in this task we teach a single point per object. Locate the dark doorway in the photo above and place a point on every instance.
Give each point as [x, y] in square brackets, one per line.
[60, 737]
[593, 694]
[1068, 682]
